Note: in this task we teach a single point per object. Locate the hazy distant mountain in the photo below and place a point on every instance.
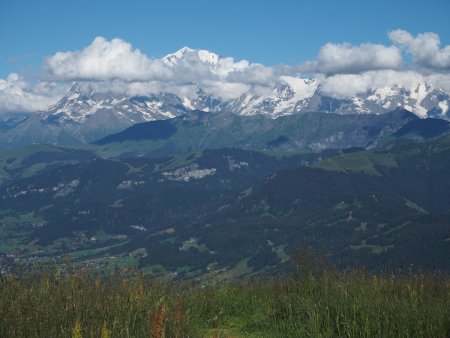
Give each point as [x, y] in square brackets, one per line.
[312, 131]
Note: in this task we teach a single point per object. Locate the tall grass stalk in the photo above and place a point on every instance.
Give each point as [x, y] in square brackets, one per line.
[330, 304]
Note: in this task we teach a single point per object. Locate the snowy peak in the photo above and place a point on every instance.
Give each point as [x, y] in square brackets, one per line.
[291, 95]
[423, 100]
[172, 58]
[79, 107]
[75, 88]
[199, 55]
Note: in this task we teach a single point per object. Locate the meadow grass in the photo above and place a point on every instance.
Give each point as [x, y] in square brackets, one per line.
[329, 304]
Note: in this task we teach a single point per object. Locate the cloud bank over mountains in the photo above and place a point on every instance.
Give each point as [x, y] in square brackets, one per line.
[343, 70]
[19, 95]
[346, 58]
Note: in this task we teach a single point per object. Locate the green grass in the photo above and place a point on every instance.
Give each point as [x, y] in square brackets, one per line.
[376, 249]
[361, 161]
[15, 156]
[180, 160]
[330, 304]
[27, 218]
[280, 154]
[341, 206]
[116, 149]
[92, 252]
[247, 192]
[280, 251]
[416, 207]
[362, 227]
[193, 243]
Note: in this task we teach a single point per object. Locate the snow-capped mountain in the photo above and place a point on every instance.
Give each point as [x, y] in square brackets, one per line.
[304, 95]
[423, 100]
[291, 95]
[78, 107]
[295, 95]
[202, 55]
[86, 115]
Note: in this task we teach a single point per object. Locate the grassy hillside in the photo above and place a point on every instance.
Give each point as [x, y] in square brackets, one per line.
[36, 159]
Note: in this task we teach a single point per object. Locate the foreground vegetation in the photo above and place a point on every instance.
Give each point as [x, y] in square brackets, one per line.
[329, 304]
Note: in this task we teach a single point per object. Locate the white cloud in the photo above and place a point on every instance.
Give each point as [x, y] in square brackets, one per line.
[348, 85]
[349, 59]
[17, 95]
[424, 49]
[116, 65]
[441, 81]
[226, 90]
[105, 60]
[341, 70]
[350, 70]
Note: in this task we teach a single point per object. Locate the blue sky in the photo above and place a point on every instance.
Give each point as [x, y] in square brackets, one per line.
[348, 46]
[268, 32]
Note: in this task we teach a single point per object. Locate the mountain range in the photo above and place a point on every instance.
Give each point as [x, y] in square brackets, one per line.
[193, 185]
[87, 114]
